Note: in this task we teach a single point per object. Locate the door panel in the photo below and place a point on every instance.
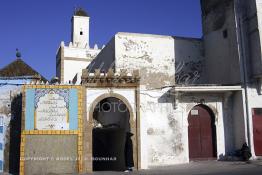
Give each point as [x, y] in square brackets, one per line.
[200, 133]
[257, 130]
[195, 142]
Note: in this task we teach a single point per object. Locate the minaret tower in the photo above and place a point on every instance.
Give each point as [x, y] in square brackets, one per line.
[77, 55]
[80, 29]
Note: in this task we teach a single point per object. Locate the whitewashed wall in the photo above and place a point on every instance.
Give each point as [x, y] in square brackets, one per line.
[80, 24]
[160, 138]
[72, 67]
[93, 93]
[155, 57]
[76, 52]
[75, 59]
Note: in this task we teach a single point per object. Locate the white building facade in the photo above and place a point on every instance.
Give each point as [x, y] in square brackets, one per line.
[184, 82]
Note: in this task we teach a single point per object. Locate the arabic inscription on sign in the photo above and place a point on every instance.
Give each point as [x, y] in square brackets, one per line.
[51, 112]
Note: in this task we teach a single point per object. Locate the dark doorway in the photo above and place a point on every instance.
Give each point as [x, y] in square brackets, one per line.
[201, 133]
[257, 130]
[15, 135]
[111, 135]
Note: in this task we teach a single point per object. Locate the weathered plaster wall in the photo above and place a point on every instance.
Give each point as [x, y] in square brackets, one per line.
[229, 120]
[153, 55]
[161, 138]
[157, 57]
[150, 54]
[76, 52]
[220, 42]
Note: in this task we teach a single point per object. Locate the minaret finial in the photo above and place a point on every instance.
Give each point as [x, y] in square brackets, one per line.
[18, 54]
[79, 11]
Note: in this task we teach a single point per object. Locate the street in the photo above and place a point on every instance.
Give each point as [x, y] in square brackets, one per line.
[200, 168]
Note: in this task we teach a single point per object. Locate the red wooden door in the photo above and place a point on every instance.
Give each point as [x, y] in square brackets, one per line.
[200, 133]
[257, 130]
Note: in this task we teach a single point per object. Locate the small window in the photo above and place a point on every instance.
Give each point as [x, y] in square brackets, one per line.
[1, 165]
[225, 33]
[257, 111]
[1, 146]
[1, 129]
[81, 33]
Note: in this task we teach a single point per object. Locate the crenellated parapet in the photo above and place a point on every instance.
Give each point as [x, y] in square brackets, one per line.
[110, 78]
[74, 45]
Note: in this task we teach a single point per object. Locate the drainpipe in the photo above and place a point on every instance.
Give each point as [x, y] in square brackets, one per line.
[242, 56]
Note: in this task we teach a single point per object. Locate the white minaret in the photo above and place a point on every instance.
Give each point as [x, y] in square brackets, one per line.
[80, 29]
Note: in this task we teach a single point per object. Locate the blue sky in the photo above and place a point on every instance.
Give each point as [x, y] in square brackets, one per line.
[37, 27]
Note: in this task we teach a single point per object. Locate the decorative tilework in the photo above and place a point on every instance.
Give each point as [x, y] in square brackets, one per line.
[41, 92]
[73, 109]
[29, 111]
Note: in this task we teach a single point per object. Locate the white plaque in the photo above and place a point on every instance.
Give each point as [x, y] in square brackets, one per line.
[194, 112]
[51, 112]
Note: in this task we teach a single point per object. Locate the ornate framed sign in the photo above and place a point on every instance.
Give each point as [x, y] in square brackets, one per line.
[51, 109]
[54, 108]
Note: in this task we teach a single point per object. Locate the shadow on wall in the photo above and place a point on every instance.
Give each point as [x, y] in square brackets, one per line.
[15, 135]
[228, 122]
[189, 61]
[167, 97]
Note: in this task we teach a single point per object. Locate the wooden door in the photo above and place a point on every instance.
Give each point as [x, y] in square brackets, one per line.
[257, 130]
[201, 133]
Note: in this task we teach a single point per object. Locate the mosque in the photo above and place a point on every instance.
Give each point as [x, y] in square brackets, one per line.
[143, 100]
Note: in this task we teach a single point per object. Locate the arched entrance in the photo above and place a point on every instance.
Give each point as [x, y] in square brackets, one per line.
[201, 133]
[112, 144]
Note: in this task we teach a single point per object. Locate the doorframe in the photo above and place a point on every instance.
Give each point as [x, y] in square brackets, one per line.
[132, 121]
[214, 130]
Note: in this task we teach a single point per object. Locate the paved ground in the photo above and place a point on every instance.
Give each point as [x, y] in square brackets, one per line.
[200, 168]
